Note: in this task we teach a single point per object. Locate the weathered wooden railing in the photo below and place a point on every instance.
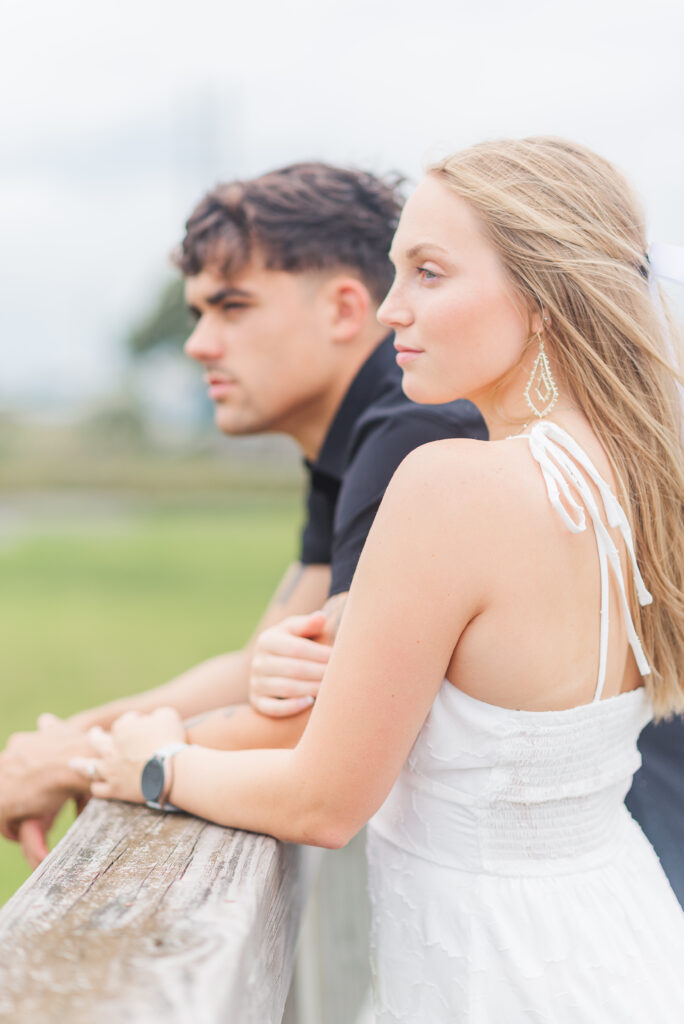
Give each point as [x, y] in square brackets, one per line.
[145, 918]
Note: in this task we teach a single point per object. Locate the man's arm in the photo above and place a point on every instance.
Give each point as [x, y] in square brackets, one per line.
[240, 727]
[223, 679]
[35, 779]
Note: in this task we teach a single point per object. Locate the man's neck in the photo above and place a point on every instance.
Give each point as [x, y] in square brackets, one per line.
[312, 423]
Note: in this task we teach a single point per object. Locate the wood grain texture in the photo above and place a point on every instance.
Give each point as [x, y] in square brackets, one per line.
[143, 917]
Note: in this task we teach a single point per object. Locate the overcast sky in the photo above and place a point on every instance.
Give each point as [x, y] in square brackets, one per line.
[115, 118]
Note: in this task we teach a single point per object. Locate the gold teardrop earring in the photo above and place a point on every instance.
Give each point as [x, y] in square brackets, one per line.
[541, 392]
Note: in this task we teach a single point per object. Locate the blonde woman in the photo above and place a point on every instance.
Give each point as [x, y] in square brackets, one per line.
[517, 616]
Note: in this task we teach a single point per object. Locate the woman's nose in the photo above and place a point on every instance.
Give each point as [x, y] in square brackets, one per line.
[393, 312]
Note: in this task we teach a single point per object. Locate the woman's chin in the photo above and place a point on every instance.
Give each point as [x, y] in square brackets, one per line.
[424, 392]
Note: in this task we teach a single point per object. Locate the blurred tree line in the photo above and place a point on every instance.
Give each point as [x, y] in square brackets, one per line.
[166, 323]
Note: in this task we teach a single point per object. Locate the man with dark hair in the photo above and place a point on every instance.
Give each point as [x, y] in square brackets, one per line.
[284, 274]
[301, 218]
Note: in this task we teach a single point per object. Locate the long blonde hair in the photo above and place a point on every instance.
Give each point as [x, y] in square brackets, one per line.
[571, 236]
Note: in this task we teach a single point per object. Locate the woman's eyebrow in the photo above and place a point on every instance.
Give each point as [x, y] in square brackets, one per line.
[422, 247]
[419, 249]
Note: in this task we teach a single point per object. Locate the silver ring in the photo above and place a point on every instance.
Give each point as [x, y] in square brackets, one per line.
[92, 771]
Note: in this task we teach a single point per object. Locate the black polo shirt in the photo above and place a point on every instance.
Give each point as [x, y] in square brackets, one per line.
[374, 429]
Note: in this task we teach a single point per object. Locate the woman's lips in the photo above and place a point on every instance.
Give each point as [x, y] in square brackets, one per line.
[407, 355]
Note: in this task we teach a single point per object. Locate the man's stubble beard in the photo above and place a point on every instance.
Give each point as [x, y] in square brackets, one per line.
[247, 424]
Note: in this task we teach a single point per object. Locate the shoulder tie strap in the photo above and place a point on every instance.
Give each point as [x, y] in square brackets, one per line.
[552, 447]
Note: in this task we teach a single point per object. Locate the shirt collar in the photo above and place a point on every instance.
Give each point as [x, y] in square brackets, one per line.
[371, 380]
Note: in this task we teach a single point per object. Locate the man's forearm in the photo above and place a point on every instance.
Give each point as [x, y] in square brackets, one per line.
[224, 679]
[214, 683]
[34, 772]
[242, 728]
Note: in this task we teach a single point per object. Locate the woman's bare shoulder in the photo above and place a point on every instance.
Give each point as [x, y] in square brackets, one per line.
[464, 471]
[451, 508]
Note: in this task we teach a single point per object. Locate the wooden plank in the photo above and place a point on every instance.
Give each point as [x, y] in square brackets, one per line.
[148, 917]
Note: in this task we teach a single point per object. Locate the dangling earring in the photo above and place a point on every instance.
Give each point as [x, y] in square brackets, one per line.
[541, 391]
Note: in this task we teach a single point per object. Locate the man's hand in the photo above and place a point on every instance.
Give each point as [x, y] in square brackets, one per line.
[288, 665]
[35, 781]
[32, 834]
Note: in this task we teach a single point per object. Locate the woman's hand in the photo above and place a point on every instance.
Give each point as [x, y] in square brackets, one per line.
[288, 664]
[123, 752]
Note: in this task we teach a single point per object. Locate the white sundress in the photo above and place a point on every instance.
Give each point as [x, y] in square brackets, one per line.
[508, 881]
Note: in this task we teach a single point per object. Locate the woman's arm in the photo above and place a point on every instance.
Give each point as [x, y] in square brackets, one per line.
[415, 590]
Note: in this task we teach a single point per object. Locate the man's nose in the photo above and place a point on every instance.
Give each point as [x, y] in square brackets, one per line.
[204, 345]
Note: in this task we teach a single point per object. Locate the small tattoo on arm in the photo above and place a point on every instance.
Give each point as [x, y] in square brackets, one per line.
[228, 712]
[189, 723]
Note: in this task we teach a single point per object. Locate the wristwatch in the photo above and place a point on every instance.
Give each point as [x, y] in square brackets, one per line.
[155, 781]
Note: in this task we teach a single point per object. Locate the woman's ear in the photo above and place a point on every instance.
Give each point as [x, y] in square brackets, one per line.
[539, 321]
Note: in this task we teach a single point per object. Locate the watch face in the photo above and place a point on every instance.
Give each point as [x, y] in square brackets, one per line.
[152, 781]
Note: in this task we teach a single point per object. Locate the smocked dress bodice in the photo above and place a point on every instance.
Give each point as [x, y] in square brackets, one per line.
[486, 789]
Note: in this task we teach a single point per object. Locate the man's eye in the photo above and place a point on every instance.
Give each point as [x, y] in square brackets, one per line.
[427, 275]
[228, 306]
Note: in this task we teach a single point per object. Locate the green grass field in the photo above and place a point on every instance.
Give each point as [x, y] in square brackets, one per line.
[100, 610]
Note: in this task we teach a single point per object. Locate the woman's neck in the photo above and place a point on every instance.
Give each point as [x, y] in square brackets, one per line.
[507, 412]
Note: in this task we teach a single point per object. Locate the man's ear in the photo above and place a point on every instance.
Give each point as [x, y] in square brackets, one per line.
[350, 303]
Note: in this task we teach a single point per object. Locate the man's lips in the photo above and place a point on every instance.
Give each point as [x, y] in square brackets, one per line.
[218, 385]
